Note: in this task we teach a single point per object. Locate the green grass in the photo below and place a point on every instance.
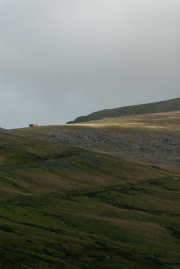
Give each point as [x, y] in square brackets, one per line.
[65, 207]
[157, 107]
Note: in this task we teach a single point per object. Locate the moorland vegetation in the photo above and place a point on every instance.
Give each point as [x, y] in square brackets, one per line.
[96, 195]
[157, 107]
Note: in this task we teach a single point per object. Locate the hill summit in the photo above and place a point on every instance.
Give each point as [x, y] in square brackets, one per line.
[157, 107]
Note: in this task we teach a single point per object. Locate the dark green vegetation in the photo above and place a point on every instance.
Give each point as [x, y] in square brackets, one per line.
[66, 207]
[163, 106]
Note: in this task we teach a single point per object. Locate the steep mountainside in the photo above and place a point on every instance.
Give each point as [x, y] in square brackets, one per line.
[163, 106]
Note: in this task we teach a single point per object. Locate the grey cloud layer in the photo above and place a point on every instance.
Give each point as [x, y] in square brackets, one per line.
[63, 59]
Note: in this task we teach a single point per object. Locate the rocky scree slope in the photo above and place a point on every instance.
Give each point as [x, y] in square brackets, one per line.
[149, 147]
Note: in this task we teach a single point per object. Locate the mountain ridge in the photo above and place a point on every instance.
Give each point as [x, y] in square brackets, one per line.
[155, 107]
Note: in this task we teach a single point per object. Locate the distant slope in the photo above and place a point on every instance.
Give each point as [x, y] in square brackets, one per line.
[157, 107]
[150, 138]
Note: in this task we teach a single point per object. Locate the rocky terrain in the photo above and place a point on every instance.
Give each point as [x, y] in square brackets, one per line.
[150, 147]
[151, 138]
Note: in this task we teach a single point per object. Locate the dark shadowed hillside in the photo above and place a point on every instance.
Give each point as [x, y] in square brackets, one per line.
[64, 207]
[163, 106]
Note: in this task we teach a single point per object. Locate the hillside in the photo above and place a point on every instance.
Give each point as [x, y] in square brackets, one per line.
[150, 138]
[68, 207]
[157, 107]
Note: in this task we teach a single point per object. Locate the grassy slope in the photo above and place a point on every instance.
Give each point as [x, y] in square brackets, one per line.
[132, 129]
[157, 107]
[157, 122]
[64, 207]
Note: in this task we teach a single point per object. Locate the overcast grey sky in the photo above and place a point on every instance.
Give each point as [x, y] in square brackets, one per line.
[60, 59]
